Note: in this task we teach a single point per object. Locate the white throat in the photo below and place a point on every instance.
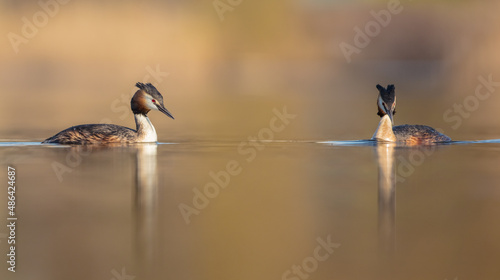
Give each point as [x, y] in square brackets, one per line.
[384, 130]
[145, 130]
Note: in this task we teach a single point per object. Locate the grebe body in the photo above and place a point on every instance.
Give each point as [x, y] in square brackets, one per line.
[407, 134]
[418, 134]
[147, 98]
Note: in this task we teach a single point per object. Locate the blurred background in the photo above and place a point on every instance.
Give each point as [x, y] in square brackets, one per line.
[223, 66]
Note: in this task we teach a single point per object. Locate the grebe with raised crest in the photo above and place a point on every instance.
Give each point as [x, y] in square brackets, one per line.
[407, 134]
[147, 98]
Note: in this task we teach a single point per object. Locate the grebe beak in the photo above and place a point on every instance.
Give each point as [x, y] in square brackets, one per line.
[389, 113]
[164, 110]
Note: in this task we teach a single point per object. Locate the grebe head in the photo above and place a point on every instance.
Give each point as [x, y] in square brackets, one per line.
[148, 98]
[386, 101]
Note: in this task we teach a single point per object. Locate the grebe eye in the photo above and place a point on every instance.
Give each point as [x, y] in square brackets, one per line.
[154, 101]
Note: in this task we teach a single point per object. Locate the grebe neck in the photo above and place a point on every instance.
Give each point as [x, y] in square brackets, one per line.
[145, 130]
[384, 130]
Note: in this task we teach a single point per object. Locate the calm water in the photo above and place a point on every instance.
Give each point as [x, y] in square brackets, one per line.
[243, 210]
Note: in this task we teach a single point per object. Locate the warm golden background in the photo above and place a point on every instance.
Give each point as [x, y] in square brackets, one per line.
[221, 78]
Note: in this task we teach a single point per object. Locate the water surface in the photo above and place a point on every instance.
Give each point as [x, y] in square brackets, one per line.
[215, 210]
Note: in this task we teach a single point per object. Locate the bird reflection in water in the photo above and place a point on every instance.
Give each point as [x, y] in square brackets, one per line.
[386, 195]
[146, 207]
[386, 154]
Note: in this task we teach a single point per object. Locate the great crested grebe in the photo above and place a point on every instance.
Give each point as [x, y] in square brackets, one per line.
[147, 98]
[408, 134]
